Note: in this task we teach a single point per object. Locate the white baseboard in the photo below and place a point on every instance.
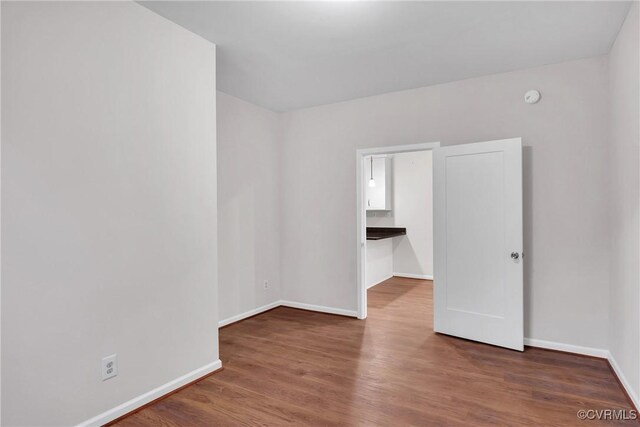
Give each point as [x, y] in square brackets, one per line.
[623, 380]
[292, 304]
[589, 351]
[414, 276]
[379, 281]
[151, 395]
[568, 348]
[249, 313]
[320, 308]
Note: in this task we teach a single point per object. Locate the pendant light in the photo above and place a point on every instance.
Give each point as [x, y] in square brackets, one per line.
[372, 183]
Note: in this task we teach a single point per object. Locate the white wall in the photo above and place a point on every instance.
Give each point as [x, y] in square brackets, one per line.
[566, 175]
[624, 333]
[248, 206]
[413, 209]
[379, 262]
[108, 206]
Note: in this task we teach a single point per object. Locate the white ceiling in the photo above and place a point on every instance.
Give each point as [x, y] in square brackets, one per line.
[289, 55]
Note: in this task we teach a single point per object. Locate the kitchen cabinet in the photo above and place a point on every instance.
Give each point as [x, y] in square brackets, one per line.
[378, 197]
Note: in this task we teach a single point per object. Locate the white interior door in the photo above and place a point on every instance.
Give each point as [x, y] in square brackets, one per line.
[478, 263]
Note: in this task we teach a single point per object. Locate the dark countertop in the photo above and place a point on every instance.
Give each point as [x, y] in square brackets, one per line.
[379, 233]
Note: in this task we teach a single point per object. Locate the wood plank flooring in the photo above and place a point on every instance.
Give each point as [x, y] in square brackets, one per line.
[295, 367]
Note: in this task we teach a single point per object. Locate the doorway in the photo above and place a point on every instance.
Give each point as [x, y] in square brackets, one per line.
[361, 157]
[477, 247]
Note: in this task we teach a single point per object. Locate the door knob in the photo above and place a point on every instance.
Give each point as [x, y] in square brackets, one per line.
[515, 255]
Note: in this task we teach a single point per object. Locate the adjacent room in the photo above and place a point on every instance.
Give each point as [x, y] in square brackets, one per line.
[336, 213]
[399, 216]
[398, 211]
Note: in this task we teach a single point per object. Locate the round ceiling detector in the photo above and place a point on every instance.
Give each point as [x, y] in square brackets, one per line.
[532, 97]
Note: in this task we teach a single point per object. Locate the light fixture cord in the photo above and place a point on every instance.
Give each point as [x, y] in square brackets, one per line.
[371, 168]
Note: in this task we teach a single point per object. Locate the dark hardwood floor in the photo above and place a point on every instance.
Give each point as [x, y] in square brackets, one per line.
[295, 367]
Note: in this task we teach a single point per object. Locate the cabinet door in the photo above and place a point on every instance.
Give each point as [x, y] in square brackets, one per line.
[377, 196]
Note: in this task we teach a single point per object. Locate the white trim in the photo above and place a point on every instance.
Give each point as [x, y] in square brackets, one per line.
[361, 286]
[414, 276]
[377, 283]
[249, 313]
[394, 149]
[623, 380]
[319, 308]
[568, 348]
[292, 304]
[151, 395]
[589, 351]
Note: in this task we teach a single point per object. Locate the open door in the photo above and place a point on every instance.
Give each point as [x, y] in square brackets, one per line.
[477, 224]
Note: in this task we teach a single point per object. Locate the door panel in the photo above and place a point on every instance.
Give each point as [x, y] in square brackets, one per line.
[477, 225]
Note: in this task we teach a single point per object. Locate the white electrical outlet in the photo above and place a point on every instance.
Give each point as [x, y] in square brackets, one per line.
[266, 284]
[109, 367]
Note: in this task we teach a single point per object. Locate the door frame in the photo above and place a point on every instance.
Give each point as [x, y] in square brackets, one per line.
[361, 236]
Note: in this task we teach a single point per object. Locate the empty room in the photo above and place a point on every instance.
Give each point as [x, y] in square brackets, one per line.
[324, 213]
